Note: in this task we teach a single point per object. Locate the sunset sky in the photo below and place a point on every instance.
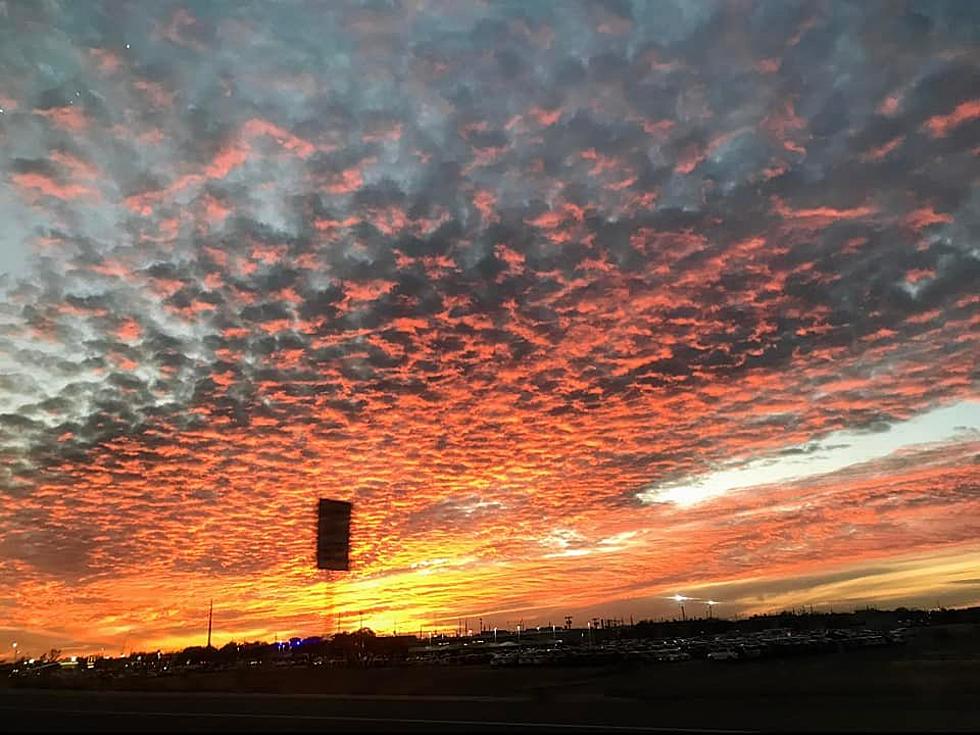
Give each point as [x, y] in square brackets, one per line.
[581, 304]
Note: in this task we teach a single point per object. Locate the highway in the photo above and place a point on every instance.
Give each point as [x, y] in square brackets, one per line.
[35, 710]
[47, 710]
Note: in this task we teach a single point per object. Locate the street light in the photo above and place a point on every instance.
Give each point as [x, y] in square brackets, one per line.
[679, 599]
[710, 604]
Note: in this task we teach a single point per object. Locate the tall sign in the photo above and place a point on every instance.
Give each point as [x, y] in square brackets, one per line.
[333, 535]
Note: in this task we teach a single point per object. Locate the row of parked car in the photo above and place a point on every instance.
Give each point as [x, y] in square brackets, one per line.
[729, 647]
[588, 656]
[783, 643]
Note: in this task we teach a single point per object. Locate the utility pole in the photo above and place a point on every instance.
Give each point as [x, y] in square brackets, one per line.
[210, 618]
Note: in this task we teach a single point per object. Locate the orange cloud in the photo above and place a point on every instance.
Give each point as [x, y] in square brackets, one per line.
[38, 184]
[939, 126]
[68, 118]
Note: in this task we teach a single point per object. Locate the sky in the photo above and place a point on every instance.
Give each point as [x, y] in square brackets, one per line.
[582, 305]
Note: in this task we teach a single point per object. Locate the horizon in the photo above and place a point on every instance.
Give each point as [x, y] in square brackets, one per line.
[583, 306]
[496, 631]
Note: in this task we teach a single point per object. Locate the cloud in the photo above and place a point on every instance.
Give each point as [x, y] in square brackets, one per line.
[488, 272]
[834, 452]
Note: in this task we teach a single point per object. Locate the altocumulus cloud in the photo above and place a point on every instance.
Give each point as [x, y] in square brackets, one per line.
[498, 273]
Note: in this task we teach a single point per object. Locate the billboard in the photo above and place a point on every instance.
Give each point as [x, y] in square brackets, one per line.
[333, 535]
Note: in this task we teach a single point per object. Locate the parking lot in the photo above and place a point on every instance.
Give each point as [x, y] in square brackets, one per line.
[776, 643]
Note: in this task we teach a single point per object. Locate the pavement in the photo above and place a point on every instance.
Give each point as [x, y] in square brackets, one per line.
[36, 710]
[80, 711]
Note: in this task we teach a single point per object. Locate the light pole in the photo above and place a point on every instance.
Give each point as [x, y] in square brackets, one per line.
[15, 653]
[710, 604]
[679, 599]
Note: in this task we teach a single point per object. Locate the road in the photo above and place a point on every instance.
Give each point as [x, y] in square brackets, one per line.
[85, 711]
[46, 710]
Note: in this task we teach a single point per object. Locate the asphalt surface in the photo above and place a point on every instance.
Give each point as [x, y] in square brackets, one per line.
[87, 711]
[45, 710]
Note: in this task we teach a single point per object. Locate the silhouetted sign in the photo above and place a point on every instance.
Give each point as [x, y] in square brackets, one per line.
[333, 535]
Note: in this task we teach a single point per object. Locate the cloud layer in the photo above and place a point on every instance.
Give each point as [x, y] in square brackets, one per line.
[492, 271]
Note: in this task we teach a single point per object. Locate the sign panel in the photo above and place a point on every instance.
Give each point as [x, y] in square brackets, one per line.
[333, 535]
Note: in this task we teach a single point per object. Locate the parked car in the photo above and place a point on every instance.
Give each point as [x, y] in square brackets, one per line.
[725, 654]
